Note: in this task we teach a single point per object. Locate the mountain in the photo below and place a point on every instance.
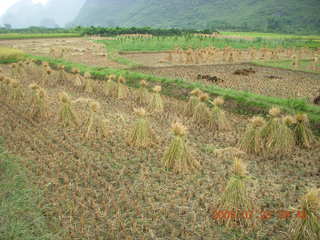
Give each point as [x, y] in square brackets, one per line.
[25, 13]
[258, 15]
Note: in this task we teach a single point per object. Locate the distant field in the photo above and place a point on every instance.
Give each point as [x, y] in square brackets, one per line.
[304, 65]
[169, 43]
[271, 35]
[37, 35]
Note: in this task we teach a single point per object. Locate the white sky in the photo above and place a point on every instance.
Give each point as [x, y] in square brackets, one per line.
[5, 4]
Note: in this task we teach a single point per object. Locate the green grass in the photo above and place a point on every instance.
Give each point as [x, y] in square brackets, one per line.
[304, 65]
[271, 35]
[185, 42]
[11, 36]
[178, 88]
[20, 216]
[9, 55]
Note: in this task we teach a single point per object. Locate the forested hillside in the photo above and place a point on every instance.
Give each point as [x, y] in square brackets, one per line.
[250, 15]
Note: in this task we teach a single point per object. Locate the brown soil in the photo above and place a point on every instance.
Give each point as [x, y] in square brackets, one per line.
[104, 189]
[283, 83]
[80, 50]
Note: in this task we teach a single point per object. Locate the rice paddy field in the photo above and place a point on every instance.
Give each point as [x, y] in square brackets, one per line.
[127, 138]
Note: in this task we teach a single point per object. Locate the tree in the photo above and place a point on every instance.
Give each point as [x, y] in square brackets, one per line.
[7, 26]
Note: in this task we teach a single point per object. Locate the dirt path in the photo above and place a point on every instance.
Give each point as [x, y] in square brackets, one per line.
[265, 81]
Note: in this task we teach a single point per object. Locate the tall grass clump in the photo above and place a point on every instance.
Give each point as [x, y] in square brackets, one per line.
[15, 91]
[141, 134]
[61, 77]
[219, 120]
[252, 141]
[236, 202]
[110, 87]
[122, 89]
[67, 117]
[193, 102]
[95, 126]
[278, 137]
[178, 157]
[2, 85]
[38, 103]
[302, 132]
[87, 83]
[5, 86]
[78, 80]
[143, 96]
[156, 104]
[202, 113]
[307, 225]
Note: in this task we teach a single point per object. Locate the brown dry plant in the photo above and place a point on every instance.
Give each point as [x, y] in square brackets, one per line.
[236, 202]
[306, 226]
[141, 134]
[302, 132]
[252, 141]
[66, 114]
[156, 104]
[178, 156]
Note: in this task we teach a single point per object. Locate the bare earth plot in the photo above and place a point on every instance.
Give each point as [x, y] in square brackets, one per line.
[265, 81]
[79, 50]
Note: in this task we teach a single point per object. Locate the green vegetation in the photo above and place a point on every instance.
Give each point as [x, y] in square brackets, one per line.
[10, 36]
[304, 65]
[8, 55]
[287, 16]
[270, 35]
[104, 31]
[188, 41]
[179, 88]
[36, 30]
[20, 215]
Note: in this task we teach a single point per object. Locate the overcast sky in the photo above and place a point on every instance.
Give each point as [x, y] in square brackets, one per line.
[5, 4]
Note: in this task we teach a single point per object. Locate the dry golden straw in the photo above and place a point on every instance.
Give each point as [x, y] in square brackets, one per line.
[236, 199]
[141, 134]
[303, 134]
[66, 115]
[177, 157]
[156, 105]
[252, 141]
[143, 96]
[193, 102]
[307, 225]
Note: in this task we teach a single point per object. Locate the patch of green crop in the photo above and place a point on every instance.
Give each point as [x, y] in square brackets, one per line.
[20, 216]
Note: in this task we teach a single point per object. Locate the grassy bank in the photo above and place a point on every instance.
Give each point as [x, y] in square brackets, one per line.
[180, 88]
[185, 42]
[304, 65]
[20, 216]
[9, 55]
[11, 36]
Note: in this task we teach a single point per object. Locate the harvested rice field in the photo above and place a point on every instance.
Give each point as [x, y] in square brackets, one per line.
[116, 157]
[77, 50]
[263, 80]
